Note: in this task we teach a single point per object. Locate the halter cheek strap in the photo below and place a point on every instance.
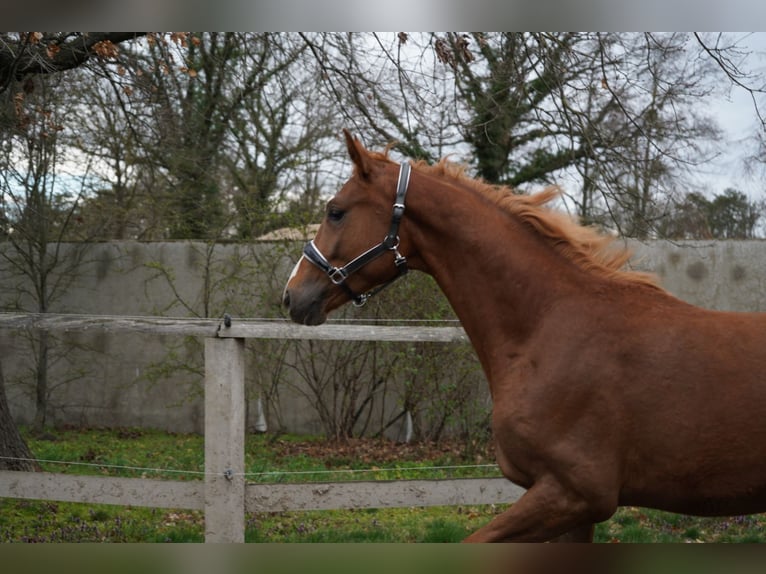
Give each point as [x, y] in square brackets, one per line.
[338, 275]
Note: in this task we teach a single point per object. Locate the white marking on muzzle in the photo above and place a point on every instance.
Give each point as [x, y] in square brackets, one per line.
[293, 273]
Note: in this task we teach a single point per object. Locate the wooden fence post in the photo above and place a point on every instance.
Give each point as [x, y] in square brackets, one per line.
[224, 440]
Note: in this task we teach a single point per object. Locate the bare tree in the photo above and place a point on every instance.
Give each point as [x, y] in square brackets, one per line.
[731, 58]
[207, 135]
[39, 200]
[526, 109]
[661, 136]
[281, 140]
[24, 57]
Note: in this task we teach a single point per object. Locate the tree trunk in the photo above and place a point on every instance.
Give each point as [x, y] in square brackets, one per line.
[14, 452]
[41, 384]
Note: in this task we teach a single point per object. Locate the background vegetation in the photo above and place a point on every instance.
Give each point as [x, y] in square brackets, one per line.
[230, 135]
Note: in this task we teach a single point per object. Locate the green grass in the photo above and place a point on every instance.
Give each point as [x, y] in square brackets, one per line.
[435, 524]
[102, 450]
[641, 525]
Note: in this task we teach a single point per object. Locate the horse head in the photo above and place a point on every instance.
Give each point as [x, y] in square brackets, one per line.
[356, 250]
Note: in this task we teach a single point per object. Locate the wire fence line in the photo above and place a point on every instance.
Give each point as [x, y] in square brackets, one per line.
[99, 465]
[404, 469]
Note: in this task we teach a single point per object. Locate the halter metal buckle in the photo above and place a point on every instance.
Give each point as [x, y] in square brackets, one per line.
[337, 275]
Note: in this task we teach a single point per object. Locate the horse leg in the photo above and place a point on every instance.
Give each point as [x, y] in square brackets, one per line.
[546, 511]
[583, 533]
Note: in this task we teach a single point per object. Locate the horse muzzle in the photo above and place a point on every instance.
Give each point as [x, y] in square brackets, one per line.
[306, 304]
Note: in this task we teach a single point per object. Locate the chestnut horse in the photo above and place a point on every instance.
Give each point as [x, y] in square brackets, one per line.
[606, 389]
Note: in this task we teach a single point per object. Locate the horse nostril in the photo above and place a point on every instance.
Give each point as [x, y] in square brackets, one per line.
[286, 298]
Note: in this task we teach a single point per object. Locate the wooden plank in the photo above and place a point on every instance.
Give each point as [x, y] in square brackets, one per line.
[379, 494]
[277, 330]
[259, 497]
[102, 489]
[110, 324]
[239, 329]
[224, 440]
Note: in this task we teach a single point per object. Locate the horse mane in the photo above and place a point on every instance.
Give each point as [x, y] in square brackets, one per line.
[585, 246]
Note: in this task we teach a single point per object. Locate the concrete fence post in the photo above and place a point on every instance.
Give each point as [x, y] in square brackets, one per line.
[224, 440]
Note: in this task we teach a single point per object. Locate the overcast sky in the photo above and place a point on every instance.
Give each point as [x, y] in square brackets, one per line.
[737, 116]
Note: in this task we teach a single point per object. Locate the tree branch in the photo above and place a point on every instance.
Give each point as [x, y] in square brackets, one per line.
[736, 76]
[37, 53]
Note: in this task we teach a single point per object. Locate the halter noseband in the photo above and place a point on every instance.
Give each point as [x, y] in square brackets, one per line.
[338, 275]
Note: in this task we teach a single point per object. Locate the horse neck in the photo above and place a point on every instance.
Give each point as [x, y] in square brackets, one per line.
[498, 275]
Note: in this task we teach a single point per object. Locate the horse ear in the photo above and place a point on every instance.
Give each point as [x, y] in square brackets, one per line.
[358, 155]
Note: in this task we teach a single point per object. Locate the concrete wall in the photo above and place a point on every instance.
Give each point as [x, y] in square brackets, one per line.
[155, 381]
[723, 275]
[129, 379]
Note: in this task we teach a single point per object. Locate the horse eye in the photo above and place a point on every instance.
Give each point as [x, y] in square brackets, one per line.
[334, 214]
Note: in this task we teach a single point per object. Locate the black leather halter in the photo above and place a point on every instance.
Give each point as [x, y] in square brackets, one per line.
[338, 275]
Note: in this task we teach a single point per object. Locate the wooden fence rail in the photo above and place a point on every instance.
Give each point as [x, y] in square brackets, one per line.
[224, 495]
